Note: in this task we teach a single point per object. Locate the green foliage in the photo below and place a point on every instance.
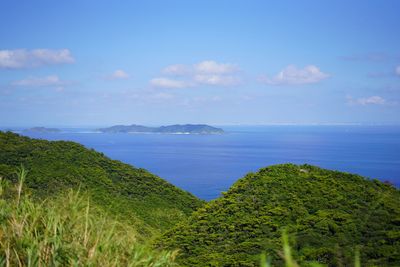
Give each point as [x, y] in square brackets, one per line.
[144, 200]
[290, 262]
[330, 218]
[328, 215]
[67, 231]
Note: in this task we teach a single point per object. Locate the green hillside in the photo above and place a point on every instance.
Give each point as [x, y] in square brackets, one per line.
[328, 215]
[67, 230]
[134, 195]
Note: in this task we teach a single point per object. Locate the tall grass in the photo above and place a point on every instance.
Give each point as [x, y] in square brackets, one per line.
[66, 231]
[290, 262]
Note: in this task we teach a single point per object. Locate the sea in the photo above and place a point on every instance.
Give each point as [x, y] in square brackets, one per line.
[207, 165]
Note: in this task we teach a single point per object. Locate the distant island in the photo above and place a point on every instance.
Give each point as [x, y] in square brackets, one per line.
[42, 130]
[170, 129]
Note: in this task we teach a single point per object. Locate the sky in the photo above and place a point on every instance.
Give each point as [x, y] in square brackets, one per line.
[100, 63]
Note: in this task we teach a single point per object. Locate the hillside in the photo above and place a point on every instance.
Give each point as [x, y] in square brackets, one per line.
[327, 214]
[135, 195]
[67, 230]
[170, 129]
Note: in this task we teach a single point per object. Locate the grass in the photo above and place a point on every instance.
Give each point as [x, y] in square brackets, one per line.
[290, 262]
[66, 231]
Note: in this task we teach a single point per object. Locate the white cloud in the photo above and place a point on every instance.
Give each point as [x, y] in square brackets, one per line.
[52, 80]
[177, 69]
[169, 83]
[293, 75]
[372, 100]
[22, 58]
[212, 67]
[119, 75]
[214, 79]
[207, 72]
[397, 70]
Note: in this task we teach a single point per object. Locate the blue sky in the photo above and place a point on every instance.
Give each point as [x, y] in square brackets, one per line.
[218, 62]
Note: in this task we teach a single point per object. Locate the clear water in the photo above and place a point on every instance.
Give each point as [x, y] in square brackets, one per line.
[205, 165]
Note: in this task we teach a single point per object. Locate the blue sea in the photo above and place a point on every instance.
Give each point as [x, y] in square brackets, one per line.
[205, 165]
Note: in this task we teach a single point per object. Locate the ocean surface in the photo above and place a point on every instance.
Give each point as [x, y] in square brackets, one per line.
[205, 165]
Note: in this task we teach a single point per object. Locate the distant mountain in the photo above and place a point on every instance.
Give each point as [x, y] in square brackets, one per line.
[189, 128]
[127, 129]
[42, 130]
[327, 214]
[146, 201]
[170, 129]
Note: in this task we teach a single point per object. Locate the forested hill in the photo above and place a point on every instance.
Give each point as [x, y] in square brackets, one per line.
[132, 194]
[327, 214]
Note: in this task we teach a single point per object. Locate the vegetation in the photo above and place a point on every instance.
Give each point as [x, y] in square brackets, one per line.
[146, 201]
[69, 231]
[329, 216]
[66, 231]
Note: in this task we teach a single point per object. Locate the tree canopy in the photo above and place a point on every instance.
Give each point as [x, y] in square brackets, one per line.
[328, 215]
